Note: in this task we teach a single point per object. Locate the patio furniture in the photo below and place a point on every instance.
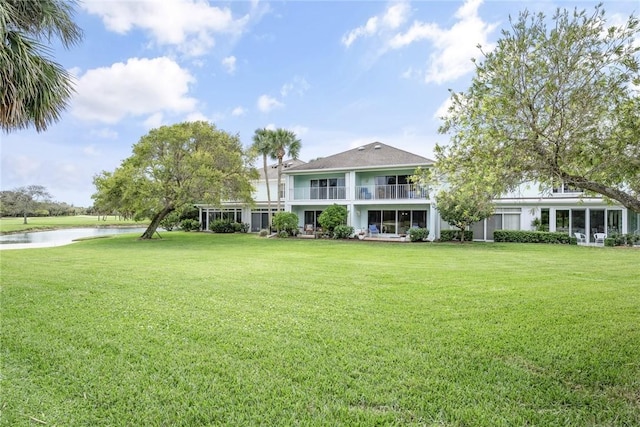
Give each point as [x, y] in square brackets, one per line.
[599, 238]
[308, 229]
[582, 238]
[373, 230]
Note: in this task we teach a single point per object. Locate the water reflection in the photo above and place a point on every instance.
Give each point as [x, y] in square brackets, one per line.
[61, 237]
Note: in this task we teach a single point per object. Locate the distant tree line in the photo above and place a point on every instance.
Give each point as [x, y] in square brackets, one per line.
[34, 200]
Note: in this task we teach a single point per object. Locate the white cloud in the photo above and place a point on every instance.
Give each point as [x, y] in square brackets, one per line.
[270, 126]
[443, 109]
[197, 116]
[229, 63]
[186, 24]
[299, 130]
[298, 85]
[91, 150]
[154, 121]
[138, 87]
[393, 17]
[238, 111]
[454, 47]
[104, 133]
[267, 103]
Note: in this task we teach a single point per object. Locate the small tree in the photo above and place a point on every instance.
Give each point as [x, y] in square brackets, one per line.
[286, 221]
[461, 207]
[333, 216]
[26, 200]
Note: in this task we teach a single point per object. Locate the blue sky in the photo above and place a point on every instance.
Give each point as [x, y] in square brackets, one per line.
[338, 73]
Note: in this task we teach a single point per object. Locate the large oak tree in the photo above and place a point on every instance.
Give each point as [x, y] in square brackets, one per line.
[176, 166]
[555, 102]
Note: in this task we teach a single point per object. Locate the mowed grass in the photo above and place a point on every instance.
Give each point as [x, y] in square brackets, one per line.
[203, 329]
[10, 225]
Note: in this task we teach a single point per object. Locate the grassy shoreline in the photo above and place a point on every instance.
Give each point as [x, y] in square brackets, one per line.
[206, 329]
[15, 225]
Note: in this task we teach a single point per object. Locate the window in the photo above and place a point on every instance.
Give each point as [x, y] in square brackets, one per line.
[392, 186]
[330, 188]
[397, 222]
[544, 219]
[563, 187]
[311, 217]
[562, 220]
[614, 221]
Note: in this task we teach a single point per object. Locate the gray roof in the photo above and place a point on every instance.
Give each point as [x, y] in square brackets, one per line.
[375, 154]
[272, 169]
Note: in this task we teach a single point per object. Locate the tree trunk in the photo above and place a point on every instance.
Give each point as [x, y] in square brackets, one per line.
[24, 213]
[279, 180]
[266, 179]
[155, 222]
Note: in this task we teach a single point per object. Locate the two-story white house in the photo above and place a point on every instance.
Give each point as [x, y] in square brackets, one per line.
[372, 182]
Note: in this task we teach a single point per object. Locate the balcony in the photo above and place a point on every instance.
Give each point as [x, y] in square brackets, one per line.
[319, 193]
[391, 192]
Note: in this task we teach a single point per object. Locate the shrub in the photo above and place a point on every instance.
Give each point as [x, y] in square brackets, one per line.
[170, 221]
[342, 232]
[523, 236]
[264, 232]
[283, 234]
[222, 226]
[418, 234]
[451, 235]
[286, 221]
[332, 217]
[610, 241]
[189, 224]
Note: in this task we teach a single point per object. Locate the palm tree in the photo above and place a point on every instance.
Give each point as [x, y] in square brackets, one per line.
[262, 145]
[284, 142]
[35, 88]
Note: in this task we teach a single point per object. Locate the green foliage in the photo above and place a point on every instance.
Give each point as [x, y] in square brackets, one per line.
[622, 240]
[332, 217]
[464, 205]
[241, 227]
[222, 226]
[554, 102]
[189, 225]
[283, 234]
[174, 166]
[451, 235]
[417, 234]
[35, 89]
[342, 231]
[523, 236]
[170, 221]
[264, 232]
[280, 143]
[285, 221]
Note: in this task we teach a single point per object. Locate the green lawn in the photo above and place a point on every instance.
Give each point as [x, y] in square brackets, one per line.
[8, 225]
[202, 329]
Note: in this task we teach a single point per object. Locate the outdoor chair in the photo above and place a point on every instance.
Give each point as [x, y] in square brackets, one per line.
[599, 238]
[581, 237]
[373, 230]
[308, 229]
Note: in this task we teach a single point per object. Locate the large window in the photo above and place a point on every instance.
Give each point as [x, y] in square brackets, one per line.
[614, 221]
[329, 188]
[578, 219]
[392, 186]
[503, 219]
[562, 220]
[260, 219]
[397, 222]
[311, 217]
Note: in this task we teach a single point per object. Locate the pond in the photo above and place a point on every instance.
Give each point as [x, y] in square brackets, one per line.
[38, 239]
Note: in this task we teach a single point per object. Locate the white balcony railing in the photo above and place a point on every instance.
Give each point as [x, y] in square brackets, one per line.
[363, 192]
[391, 192]
[318, 193]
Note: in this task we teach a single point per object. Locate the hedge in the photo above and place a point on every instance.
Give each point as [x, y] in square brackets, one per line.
[450, 235]
[522, 236]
